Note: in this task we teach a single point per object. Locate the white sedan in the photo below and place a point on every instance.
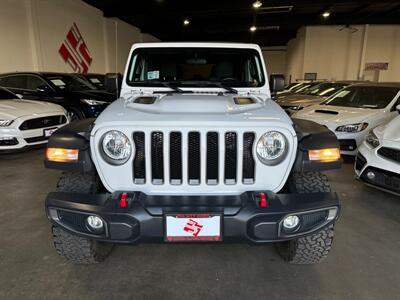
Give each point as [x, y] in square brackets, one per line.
[355, 110]
[378, 160]
[26, 123]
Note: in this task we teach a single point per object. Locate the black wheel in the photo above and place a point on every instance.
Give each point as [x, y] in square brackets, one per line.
[77, 249]
[74, 114]
[315, 247]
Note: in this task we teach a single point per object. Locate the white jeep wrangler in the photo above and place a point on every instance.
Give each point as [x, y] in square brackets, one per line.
[193, 150]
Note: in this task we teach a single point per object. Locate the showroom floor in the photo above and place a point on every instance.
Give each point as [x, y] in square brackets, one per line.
[364, 262]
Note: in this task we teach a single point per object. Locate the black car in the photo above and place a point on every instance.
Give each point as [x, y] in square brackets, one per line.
[98, 80]
[80, 98]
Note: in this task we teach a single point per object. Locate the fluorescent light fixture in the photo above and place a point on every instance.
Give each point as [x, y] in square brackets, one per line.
[186, 22]
[253, 28]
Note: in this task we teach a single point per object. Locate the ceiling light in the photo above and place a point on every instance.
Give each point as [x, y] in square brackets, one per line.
[253, 28]
[257, 4]
[186, 22]
[326, 14]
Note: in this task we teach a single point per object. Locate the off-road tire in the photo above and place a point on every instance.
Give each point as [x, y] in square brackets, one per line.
[315, 247]
[77, 249]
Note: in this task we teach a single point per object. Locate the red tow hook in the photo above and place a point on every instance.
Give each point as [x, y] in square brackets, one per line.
[263, 200]
[123, 203]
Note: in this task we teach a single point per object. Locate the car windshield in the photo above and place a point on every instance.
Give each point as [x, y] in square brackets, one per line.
[363, 97]
[70, 83]
[6, 95]
[196, 67]
[324, 89]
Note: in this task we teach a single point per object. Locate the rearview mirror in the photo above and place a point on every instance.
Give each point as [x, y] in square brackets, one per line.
[113, 83]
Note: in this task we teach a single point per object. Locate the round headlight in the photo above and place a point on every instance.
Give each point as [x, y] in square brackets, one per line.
[116, 146]
[271, 148]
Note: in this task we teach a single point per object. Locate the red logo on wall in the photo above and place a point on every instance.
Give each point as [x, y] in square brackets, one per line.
[193, 227]
[75, 52]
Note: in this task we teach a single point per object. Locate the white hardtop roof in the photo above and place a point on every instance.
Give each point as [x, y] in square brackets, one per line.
[196, 45]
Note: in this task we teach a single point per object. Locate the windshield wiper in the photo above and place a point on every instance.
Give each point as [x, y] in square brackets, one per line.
[214, 83]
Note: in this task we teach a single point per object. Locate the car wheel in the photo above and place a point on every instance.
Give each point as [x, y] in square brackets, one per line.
[74, 115]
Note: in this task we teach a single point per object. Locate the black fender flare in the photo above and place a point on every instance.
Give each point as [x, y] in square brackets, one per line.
[75, 135]
[313, 136]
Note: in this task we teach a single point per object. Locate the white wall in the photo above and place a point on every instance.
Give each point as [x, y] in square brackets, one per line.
[32, 32]
[336, 53]
[275, 59]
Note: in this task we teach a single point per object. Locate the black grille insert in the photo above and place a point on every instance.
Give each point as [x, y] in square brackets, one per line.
[212, 157]
[194, 157]
[230, 157]
[248, 160]
[390, 153]
[157, 158]
[139, 163]
[175, 157]
[43, 122]
[9, 142]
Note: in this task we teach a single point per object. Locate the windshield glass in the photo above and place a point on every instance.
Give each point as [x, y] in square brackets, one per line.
[196, 67]
[363, 97]
[70, 83]
[6, 95]
[324, 89]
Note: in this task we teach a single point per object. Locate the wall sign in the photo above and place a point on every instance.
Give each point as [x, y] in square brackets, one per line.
[376, 66]
[74, 51]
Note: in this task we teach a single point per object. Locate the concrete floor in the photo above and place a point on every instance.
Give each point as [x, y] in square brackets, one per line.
[364, 262]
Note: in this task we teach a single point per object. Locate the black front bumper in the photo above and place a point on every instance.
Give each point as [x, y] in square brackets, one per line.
[143, 219]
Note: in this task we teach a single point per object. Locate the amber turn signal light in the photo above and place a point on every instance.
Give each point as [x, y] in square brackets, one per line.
[62, 155]
[324, 155]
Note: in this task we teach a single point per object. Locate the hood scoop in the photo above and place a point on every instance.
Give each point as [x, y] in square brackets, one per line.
[244, 100]
[323, 111]
[145, 100]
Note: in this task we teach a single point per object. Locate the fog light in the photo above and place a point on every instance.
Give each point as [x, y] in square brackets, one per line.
[291, 222]
[371, 175]
[95, 223]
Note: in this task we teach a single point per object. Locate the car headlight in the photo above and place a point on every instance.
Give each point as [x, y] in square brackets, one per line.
[93, 102]
[271, 148]
[352, 127]
[116, 147]
[5, 123]
[372, 140]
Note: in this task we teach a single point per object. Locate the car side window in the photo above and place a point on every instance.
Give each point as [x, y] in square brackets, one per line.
[17, 81]
[33, 82]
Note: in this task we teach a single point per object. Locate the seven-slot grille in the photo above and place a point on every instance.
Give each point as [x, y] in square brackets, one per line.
[193, 158]
[43, 122]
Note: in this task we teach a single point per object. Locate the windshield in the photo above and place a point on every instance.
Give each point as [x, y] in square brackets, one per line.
[6, 95]
[196, 67]
[363, 97]
[325, 89]
[70, 83]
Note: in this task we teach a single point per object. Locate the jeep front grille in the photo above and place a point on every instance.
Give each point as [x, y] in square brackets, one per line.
[193, 158]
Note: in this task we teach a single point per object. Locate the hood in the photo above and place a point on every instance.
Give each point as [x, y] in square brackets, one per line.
[333, 116]
[389, 131]
[300, 100]
[193, 107]
[95, 95]
[13, 109]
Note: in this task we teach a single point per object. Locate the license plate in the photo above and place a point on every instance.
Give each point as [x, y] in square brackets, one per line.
[192, 227]
[49, 132]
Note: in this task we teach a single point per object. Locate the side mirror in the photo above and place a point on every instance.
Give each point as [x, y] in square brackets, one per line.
[113, 82]
[276, 83]
[19, 96]
[43, 89]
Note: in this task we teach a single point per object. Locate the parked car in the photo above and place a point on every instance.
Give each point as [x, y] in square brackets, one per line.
[355, 110]
[25, 123]
[299, 88]
[378, 159]
[80, 98]
[194, 150]
[292, 103]
[293, 86]
[98, 80]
